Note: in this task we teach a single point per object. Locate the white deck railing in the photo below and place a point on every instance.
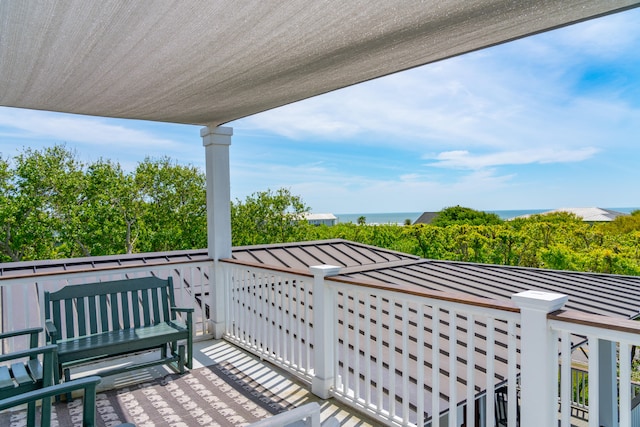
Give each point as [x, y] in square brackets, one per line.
[388, 350]
[21, 296]
[404, 356]
[609, 381]
[270, 314]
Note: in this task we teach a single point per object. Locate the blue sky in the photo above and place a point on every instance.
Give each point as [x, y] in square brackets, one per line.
[548, 121]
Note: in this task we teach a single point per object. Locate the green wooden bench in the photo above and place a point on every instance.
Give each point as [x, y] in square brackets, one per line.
[22, 371]
[96, 321]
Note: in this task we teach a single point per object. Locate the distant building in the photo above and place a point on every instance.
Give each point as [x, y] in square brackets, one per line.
[320, 219]
[587, 214]
[426, 218]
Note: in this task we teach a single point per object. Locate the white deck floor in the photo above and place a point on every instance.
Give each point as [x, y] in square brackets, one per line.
[210, 352]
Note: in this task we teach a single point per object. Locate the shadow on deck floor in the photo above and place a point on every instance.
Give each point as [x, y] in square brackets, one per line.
[227, 387]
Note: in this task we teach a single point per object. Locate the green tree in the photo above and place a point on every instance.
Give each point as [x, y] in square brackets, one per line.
[462, 215]
[38, 197]
[113, 210]
[625, 223]
[174, 213]
[268, 217]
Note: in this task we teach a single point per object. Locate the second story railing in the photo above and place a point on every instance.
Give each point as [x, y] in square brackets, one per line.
[408, 356]
[21, 295]
[405, 356]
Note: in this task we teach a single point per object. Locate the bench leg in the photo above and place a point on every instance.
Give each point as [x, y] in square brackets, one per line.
[163, 351]
[67, 378]
[31, 414]
[181, 359]
[46, 412]
[57, 374]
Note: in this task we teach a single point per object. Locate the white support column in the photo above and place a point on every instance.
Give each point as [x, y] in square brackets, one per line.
[538, 358]
[608, 384]
[216, 141]
[324, 315]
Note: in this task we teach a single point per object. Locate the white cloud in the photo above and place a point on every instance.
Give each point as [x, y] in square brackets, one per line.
[463, 159]
[32, 124]
[605, 37]
[506, 99]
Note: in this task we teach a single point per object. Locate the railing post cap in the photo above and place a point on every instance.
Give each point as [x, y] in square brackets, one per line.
[324, 270]
[540, 301]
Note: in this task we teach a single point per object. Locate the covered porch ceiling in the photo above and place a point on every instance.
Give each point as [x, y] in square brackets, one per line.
[211, 62]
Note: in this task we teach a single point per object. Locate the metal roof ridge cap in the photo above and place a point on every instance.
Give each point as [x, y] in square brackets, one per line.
[120, 266]
[287, 244]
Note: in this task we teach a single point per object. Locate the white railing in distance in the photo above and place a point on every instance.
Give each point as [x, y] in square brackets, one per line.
[616, 404]
[21, 297]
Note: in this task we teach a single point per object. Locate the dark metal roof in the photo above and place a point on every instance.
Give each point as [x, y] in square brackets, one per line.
[426, 218]
[56, 266]
[302, 255]
[604, 294]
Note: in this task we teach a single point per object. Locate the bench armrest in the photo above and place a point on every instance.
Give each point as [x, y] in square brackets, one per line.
[88, 384]
[21, 332]
[33, 341]
[32, 352]
[52, 331]
[183, 309]
[189, 312]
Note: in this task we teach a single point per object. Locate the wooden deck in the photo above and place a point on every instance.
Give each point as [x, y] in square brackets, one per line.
[158, 396]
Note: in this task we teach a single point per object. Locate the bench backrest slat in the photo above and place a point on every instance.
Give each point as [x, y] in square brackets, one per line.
[93, 315]
[136, 309]
[68, 313]
[124, 302]
[146, 307]
[156, 306]
[111, 305]
[104, 318]
[166, 299]
[82, 324]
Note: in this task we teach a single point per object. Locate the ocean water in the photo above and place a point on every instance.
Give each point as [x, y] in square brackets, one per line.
[401, 217]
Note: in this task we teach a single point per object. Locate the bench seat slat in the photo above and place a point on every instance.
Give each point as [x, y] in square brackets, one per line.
[5, 378]
[20, 374]
[120, 342]
[35, 369]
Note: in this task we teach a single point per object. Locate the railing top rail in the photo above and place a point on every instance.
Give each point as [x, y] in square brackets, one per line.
[400, 288]
[261, 266]
[596, 321]
[432, 294]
